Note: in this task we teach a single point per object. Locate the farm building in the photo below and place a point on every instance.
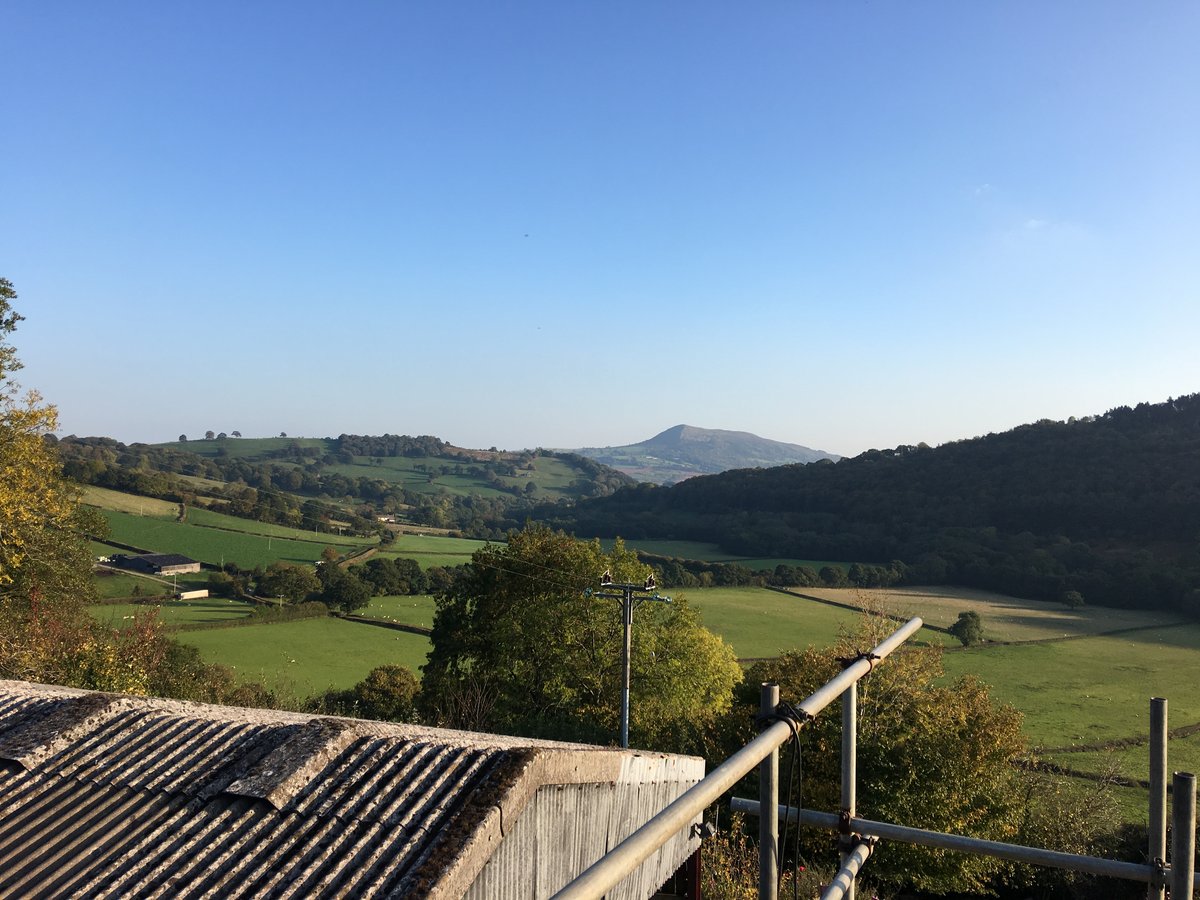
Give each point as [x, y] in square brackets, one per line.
[159, 563]
[105, 795]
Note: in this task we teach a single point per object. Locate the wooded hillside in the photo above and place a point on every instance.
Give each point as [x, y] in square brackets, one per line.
[1108, 506]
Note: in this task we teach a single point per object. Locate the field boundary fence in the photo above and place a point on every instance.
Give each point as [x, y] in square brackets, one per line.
[860, 837]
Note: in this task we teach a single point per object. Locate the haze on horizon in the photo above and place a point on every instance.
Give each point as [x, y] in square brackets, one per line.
[554, 225]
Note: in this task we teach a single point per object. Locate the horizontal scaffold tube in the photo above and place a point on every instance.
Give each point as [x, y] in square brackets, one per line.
[623, 859]
[1036, 856]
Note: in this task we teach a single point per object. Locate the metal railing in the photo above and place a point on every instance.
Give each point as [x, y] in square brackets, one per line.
[1180, 875]
[623, 859]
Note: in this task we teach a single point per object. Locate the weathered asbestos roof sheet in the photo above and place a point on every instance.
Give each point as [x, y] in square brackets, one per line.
[103, 795]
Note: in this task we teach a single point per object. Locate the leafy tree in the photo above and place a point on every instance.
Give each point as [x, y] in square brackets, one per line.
[344, 590]
[1072, 599]
[518, 627]
[930, 755]
[183, 439]
[222, 436]
[292, 582]
[388, 693]
[833, 576]
[236, 433]
[968, 628]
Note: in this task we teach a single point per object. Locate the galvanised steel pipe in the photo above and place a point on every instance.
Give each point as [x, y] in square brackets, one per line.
[1158, 791]
[1183, 835]
[768, 792]
[1109, 868]
[607, 872]
[849, 771]
[842, 886]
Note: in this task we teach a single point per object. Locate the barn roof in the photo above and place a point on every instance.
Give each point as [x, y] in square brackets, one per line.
[164, 559]
[105, 795]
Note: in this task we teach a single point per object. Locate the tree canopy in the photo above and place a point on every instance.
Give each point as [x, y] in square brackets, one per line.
[520, 646]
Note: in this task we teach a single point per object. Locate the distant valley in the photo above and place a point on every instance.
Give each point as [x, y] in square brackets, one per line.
[684, 451]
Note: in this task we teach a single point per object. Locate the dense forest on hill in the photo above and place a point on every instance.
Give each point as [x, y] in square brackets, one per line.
[1108, 506]
[306, 482]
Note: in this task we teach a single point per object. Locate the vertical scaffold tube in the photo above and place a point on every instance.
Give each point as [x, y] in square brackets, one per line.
[1183, 835]
[768, 793]
[1158, 791]
[849, 773]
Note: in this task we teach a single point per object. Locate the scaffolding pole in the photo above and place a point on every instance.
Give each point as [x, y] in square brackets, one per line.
[1158, 795]
[768, 792]
[1091, 865]
[1183, 835]
[842, 886]
[623, 859]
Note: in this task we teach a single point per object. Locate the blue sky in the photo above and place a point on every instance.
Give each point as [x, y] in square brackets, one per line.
[844, 225]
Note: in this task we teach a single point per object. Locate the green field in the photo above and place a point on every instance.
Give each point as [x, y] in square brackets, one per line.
[1093, 689]
[129, 503]
[411, 610]
[174, 612]
[311, 655]
[214, 545]
[1004, 618]
[119, 584]
[761, 623]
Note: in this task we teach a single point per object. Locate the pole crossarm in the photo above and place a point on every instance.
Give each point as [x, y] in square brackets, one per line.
[623, 859]
[1091, 865]
[630, 601]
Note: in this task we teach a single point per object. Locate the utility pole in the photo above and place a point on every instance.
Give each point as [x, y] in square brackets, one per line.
[629, 602]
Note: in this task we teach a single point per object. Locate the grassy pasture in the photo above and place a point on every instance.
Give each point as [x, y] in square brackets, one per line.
[1183, 755]
[410, 610]
[120, 584]
[211, 545]
[1004, 618]
[432, 550]
[311, 655]
[129, 503]
[761, 623]
[174, 612]
[209, 519]
[1094, 689]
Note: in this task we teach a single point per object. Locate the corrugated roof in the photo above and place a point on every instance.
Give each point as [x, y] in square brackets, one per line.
[103, 795]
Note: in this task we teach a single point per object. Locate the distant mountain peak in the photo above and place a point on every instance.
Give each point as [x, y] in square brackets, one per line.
[683, 451]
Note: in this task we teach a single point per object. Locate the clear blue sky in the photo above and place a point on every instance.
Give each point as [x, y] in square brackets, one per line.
[847, 225]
